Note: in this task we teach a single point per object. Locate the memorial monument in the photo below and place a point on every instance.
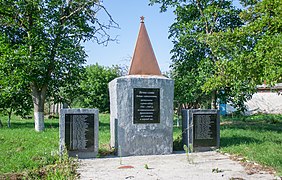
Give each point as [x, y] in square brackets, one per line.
[79, 129]
[141, 105]
[201, 128]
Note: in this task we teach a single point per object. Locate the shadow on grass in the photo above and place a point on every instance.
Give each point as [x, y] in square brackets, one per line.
[48, 124]
[233, 141]
[178, 144]
[104, 126]
[30, 125]
[254, 126]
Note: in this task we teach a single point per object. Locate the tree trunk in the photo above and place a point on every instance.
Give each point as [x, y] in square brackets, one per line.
[38, 98]
[65, 105]
[1, 124]
[213, 100]
[49, 108]
[179, 110]
[53, 108]
[57, 108]
[9, 118]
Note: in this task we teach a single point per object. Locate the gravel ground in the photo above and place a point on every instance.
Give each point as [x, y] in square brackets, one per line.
[201, 165]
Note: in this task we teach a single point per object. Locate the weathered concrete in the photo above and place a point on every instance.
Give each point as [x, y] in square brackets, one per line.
[146, 138]
[203, 165]
[83, 132]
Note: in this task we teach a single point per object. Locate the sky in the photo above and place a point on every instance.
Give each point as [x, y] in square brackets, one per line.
[127, 14]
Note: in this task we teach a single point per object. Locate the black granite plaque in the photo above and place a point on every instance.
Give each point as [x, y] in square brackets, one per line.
[204, 130]
[79, 132]
[146, 105]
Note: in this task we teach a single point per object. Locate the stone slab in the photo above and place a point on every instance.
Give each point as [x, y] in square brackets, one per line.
[147, 135]
[201, 128]
[79, 129]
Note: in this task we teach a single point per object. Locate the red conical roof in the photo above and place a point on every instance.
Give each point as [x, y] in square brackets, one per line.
[144, 61]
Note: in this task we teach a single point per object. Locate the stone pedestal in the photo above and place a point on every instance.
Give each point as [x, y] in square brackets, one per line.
[79, 129]
[141, 115]
[201, 128]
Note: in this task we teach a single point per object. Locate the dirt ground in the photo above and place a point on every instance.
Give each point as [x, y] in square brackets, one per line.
[201, 165]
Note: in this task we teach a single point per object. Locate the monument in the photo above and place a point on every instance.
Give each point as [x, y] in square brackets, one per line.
[201, 128]
[79, 129]
[141, 105]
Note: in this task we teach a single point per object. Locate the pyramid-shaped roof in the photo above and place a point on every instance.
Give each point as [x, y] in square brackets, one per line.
[144, 61]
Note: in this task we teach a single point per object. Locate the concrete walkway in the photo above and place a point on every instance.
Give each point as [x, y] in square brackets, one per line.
[202, 165]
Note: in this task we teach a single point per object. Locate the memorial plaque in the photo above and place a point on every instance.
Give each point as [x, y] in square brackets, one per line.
[146, 105]
[201, 128]
[79, 129]
[79, 132]
[205, 130]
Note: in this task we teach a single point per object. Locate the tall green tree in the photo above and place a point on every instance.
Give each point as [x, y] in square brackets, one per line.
[94, 86]
[45, 36]
[254, 51]
[193, 58]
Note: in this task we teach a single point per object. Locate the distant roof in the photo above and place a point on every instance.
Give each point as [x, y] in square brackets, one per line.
[144, 61]
[265, 87]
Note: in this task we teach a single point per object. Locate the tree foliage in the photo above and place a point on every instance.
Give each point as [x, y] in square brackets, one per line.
[94, 87]
[14, 93]
[215, 50]
[254, 51]
[193, 58]
[45, 37]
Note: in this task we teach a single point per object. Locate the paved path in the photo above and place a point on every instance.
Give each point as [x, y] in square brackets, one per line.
[206, 165]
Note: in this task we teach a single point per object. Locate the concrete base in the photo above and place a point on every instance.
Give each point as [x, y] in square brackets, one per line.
[140, 138]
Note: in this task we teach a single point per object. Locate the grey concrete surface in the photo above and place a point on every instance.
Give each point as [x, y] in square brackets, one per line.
[146, 138]
[203, 165]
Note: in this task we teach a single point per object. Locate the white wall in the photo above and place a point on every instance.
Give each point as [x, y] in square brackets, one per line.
[262, 102]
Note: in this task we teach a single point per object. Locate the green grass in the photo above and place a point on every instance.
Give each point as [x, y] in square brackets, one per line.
[257, 138]
[104, 135]
[177, 137]
[27, 153]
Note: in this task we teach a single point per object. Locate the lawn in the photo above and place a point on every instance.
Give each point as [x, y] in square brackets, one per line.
[258, 138]
[104, 135]
[24, 152]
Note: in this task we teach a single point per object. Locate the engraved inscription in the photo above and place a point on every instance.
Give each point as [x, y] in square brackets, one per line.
[204, 131]
[79, 129]
[203, 127]
[146, 105]
[79, 132]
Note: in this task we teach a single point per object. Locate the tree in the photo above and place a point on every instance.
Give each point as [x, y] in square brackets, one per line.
[193, 58]
[254, 50]
[95, 91]
[14, 92]
[45, 36]
[68, 89]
